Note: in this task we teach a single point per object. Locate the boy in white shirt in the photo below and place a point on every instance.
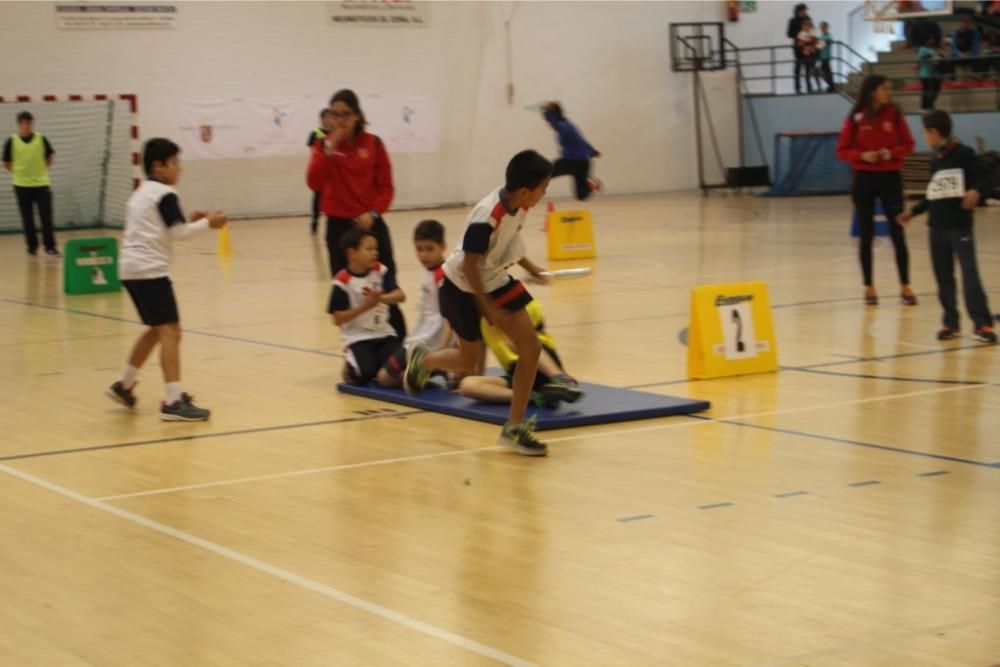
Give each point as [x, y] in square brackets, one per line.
[153, 221]
[477, 285]
[431, 330]
[359, 303]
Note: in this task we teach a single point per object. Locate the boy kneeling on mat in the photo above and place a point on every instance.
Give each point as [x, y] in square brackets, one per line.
[359, 303]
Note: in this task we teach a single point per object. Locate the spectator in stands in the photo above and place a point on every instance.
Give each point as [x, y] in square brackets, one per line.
[825, 54]
[922, 28]
[927, 71]
[808, 45]
[966, 42]
[794, 28]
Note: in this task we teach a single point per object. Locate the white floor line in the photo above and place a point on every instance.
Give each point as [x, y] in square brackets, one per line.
[581, 436]
[295, 473]
[277, 572]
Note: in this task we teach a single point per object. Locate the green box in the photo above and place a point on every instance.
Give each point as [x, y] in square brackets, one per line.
[91, 265]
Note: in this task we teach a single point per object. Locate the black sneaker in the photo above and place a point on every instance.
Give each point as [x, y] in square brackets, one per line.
[415, 377]
[984, 334]
[561, 389]
[33, 251]
[119, 394]
[539, 400]
[521, 438]
[947, 333]
[52, 252]
[348, 375]
[183, 410]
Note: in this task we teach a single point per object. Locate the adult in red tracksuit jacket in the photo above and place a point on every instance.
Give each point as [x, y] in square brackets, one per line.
[874, 139]
[351, 170]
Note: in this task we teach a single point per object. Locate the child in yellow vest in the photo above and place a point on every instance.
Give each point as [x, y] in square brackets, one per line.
[27, 155]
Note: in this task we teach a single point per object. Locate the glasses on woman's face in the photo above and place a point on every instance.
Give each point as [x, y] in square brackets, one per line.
[341, 115]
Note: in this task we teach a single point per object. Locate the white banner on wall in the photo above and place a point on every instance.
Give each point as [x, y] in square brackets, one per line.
[113, 16]
[257, 128]
[243, 128]
[379, 13]
[405, 124]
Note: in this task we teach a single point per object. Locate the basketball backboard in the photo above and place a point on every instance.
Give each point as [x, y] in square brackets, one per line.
[697, 47]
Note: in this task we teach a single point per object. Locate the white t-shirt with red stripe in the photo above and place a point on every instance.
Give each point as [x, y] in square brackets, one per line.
[430, 322]
[349, 291]
[495, 231]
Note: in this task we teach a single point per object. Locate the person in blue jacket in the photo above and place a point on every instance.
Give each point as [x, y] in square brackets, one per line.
[576, 152]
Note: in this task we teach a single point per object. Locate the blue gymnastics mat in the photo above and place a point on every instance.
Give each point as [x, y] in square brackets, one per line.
[599, 405]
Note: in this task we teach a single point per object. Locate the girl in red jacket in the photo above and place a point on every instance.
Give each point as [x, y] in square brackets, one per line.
[350, 168]
[874, 139]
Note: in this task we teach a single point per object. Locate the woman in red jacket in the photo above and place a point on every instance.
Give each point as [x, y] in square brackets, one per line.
[351, 170]
[874, 139]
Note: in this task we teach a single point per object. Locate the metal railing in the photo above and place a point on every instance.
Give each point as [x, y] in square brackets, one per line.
[780, 62]
[848, 68]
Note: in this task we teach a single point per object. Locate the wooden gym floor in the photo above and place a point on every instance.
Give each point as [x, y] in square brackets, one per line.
[840, 512]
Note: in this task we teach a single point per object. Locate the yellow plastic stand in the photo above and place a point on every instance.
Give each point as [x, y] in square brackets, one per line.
[731, 331]
[571, 235]
[225, 246]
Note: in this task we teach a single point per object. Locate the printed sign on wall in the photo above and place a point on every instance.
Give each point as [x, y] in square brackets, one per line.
[112, 16]
[379, 13]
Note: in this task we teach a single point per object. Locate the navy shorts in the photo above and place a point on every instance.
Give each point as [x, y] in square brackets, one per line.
[366, 357]
[459, 307]
[154, 299]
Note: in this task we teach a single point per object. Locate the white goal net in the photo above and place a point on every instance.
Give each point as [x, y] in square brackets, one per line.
[92, 173]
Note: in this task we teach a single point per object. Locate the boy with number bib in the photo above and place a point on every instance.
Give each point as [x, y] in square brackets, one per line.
[957, 183]
[359, 304]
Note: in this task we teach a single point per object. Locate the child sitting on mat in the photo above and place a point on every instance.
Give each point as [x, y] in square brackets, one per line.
[552, 383]
[359, 303]
[431, 330]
